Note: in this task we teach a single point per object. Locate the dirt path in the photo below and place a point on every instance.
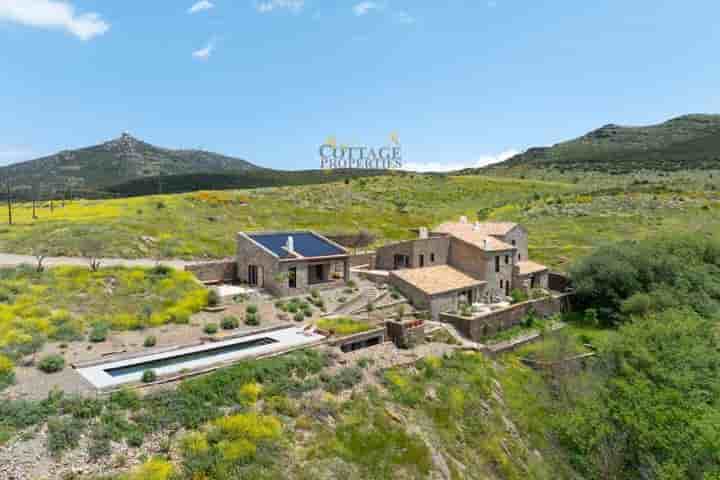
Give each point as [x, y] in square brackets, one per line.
[12, 260]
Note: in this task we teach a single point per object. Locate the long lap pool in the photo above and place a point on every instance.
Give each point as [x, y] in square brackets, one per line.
[114, 373]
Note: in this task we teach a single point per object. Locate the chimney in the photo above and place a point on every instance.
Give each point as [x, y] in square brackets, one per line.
[290, 245]
[424, 233]
[463, 219]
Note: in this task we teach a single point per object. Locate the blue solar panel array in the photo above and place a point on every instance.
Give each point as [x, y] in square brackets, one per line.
[305, 243]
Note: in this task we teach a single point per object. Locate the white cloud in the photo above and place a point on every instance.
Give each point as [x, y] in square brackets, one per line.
[363, 8]
[483, 161]
[204, 53]
[201, 6]
[53, 14]
[404, 17]
[270, 5]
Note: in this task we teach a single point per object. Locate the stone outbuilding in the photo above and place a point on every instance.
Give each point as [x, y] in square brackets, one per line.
[291, 263]
[438, 289]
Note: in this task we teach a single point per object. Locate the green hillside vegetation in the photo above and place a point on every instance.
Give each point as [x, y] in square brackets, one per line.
[683, 143]
[204, 224]
[647, 408]
[63, 304]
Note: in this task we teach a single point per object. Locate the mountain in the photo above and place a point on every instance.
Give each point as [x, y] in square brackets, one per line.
[687, 142]
[129, 166]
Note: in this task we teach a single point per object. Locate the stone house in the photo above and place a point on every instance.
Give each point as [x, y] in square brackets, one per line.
[493, 254]
[290, 263]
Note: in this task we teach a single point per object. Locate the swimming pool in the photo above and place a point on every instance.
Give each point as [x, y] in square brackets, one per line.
[115, 373]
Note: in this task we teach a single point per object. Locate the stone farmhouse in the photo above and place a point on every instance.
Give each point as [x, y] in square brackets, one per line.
[290, 263]
[462, 262]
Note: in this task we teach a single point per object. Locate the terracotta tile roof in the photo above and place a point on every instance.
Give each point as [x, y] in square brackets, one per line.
[485, 228]
[528, 267]
[437, 279]
[480, 235]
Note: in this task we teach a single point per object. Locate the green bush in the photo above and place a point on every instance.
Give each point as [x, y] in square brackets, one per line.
[7, 374]
[230, 323]
[299, 317]
[518, 295]
[98, 333]
[315, 293]
[150, 341]
[51, 363]
[149, 376]
[252, 319]
[63, 434]
[251, 309]
[210, 328]
[213, 298]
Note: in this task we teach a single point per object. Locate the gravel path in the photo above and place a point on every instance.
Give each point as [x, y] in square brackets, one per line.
[12, 260]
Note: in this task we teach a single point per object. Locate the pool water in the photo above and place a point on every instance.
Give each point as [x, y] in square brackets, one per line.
[188, 357]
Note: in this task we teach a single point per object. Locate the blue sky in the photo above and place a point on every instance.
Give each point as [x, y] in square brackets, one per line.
[460, 82]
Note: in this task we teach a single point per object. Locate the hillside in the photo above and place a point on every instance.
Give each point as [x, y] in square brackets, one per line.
[687, 142]
[128, 166]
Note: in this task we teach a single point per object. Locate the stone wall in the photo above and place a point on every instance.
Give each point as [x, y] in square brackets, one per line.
[480, 327]
[434, 251]
[406, 334]
[363, 258]
[520, 236]
[214, 272]
[249, 253]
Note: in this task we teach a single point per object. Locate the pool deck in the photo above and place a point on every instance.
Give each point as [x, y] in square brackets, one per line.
[284, 339]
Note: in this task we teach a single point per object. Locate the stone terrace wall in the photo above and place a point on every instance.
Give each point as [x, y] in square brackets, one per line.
[480, 327]
[213, 272]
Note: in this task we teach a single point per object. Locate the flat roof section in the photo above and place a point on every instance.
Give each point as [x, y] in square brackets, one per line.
[307, 244]
[437, 279]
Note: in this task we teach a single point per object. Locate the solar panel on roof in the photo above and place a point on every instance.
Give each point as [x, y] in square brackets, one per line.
[305, 243]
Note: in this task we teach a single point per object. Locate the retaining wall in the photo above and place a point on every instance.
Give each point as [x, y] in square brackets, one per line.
[480, 327]
[214, 272]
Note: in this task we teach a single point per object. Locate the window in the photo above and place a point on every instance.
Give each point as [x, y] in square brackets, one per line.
[422, 261]
[432, 258]
[501, 283]
[252, 274]
[514, 243]
[519, 257]
[497, 264]
[507, 259]
[292, 277]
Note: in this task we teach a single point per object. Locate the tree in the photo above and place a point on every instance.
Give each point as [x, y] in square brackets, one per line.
[91, 249]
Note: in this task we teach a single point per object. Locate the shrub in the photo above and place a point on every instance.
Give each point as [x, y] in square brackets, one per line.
[292, 307]
[351, 284]
[100, 446]
[590, 317]
[7, 375]
[518, 295]
[150, 341]
[154, 469]
[98, 333]
[230, 323]
[343, 325]
[63, 434]
[213, 299]
[250, 392]
[135, 437]
[252, 319]
[299, 316]
[315, 293]
[51, 363]
[251, 309]
[345, 379]
[149, 376]
[210, 328]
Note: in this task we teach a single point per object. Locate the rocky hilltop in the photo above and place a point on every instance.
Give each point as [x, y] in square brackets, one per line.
[120, 160]
[687, 142]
